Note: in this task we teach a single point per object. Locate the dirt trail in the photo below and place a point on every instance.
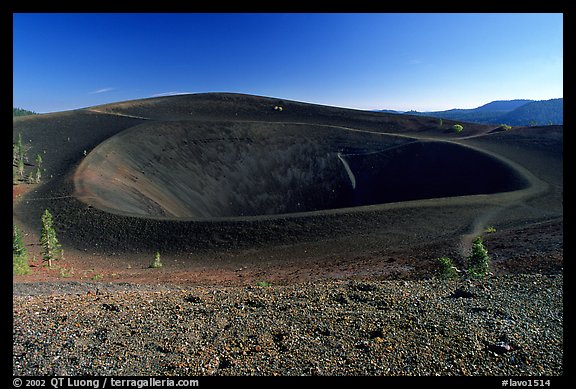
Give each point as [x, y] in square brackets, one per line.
[117, 114]
[348, 170]
[479, 225]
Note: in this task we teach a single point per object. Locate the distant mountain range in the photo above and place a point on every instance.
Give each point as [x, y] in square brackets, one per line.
[512, 112]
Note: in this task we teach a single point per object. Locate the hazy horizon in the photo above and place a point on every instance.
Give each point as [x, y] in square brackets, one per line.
[423, 62]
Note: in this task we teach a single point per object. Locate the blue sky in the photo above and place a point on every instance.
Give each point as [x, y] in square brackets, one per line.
[396, 61]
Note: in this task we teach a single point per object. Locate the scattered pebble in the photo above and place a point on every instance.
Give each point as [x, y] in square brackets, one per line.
[513, 326]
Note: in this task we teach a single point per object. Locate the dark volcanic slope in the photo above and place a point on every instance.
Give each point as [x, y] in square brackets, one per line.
[233, 162]
[191, 169]
[195, 170]
[241, 107]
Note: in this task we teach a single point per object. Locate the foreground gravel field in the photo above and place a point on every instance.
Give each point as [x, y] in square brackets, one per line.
[505, 325]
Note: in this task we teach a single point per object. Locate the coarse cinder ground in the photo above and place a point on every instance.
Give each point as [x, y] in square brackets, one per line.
[507, 325]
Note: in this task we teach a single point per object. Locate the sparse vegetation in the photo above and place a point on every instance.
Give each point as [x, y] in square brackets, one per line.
[20, 160]
[19, 151]
[458, 128]
[490, 229]
[505, 127]
[20, 265]
[477, 263]
[156, 263]
[65, 273]
[51, 248]
[446, 268]
[19, 256]
[478, 260]
[367, 280]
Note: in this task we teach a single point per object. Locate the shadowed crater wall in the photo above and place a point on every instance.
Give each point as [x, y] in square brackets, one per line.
[425, 170]
[204, 170]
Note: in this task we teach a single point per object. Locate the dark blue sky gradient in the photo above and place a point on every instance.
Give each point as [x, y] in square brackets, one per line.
[364, 61]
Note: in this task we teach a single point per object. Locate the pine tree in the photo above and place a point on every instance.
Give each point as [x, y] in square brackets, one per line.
[19, 155]
[156, 263]
[19, 257]
[17, 245]
[21, 168]
[446, 268]
[38, 171]
[51, 248]
[14, 153]
[478, 261]
[21, 149]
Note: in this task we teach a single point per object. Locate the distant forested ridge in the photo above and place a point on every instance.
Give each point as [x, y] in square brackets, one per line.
[21, 112]
[536, 113]
[511, 112]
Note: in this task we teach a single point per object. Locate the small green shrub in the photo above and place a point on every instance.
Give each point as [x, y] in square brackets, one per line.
[446, 268]
[30, 179]
[478, 260]
[505, 127]
[66, 273]
[457, 128]
[262, 283]
[20, 265]
[490, 229]
[156, 263]
[19, 257]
